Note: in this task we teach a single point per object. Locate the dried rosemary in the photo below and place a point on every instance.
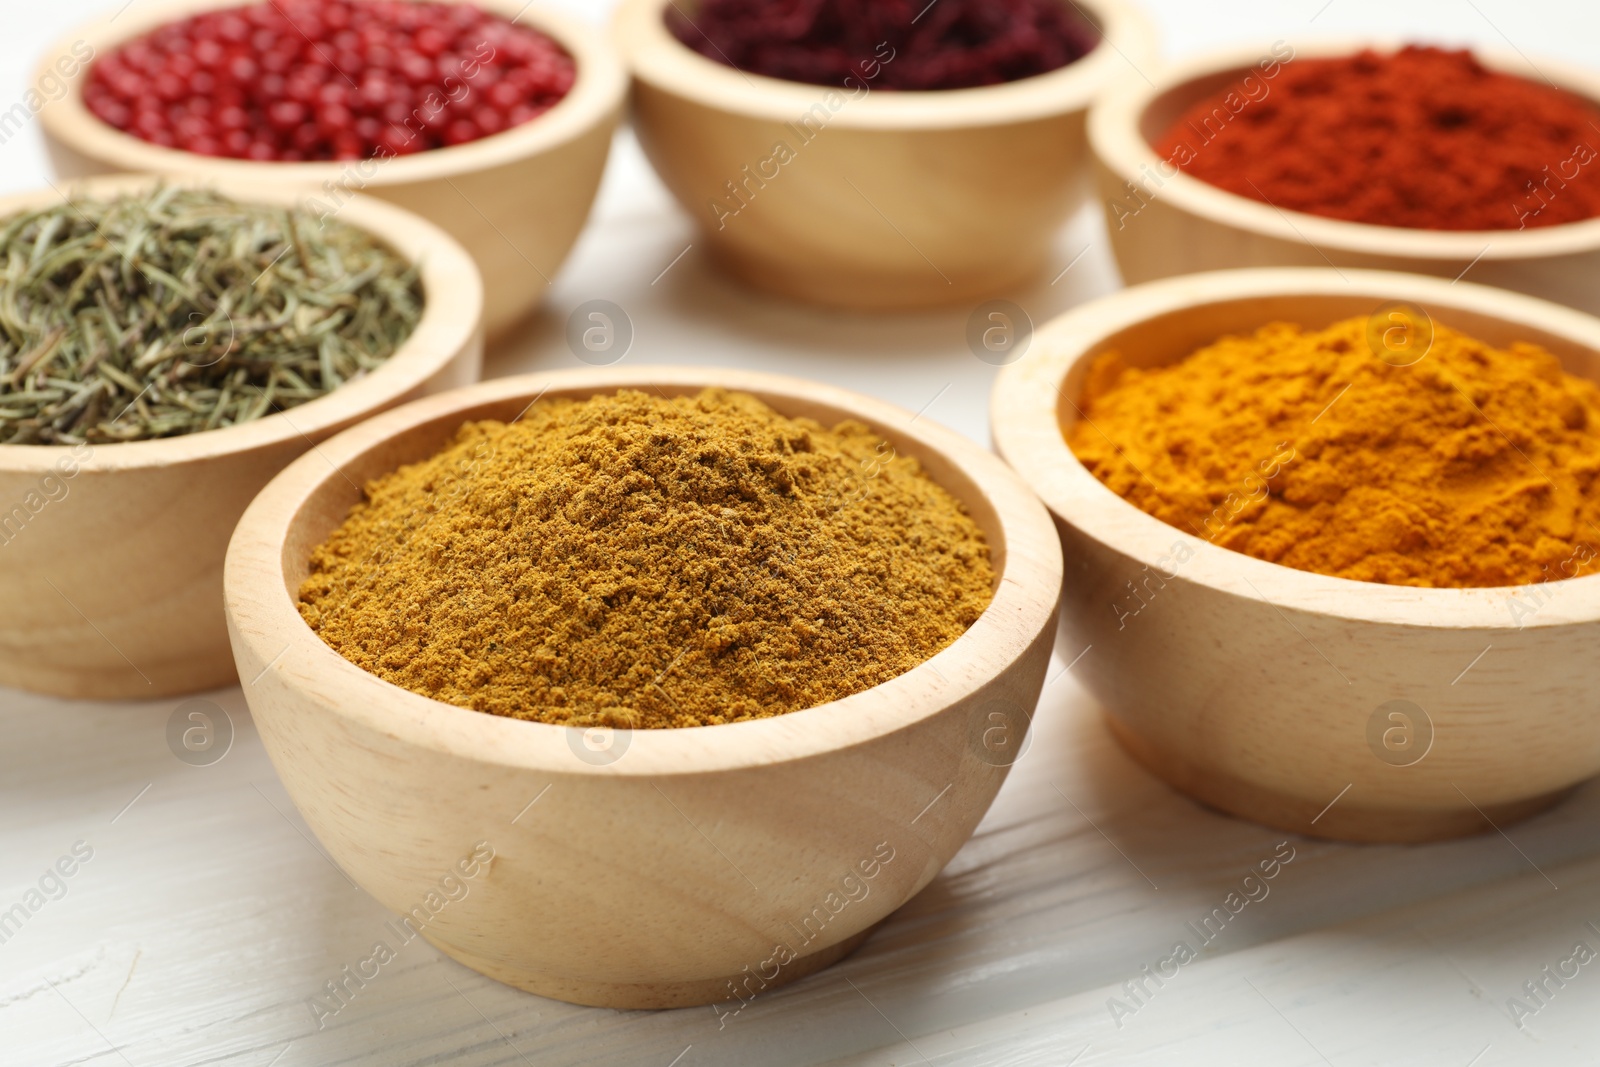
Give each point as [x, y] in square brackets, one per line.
[174, 311]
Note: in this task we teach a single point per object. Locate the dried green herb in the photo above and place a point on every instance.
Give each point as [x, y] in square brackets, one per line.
[174, 311]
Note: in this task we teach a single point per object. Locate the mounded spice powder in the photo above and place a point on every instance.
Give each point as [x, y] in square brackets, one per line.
[1474, 466]
[640, 562]
[1424, 138]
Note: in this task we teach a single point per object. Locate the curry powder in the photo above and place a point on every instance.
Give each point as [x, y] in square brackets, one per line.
[1473, 466]
[638, 562]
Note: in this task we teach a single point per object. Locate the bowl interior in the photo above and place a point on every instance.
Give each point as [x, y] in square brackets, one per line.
[452, 304]
[1127, 125]
[660, 60]
[597, 90]
[1167, 107]
[1167, 337]
[1163, 108]
[328, 504]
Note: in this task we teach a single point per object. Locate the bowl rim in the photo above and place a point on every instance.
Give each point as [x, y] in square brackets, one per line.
[1023, 412]
[656, 57]
[1120, 147]
[267, 627]
[452, 320]
[598, 91]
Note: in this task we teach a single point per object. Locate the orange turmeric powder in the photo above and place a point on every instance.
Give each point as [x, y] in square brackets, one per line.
[1473, 466]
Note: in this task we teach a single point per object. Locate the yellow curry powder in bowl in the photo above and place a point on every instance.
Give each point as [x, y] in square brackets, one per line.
[635, 561]
[1472, 466]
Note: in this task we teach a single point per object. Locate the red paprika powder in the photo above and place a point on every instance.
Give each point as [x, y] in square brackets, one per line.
[293, 80]
[1423, 138]
[893, 44]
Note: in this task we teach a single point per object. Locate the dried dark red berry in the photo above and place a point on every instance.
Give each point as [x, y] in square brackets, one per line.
[888, 44]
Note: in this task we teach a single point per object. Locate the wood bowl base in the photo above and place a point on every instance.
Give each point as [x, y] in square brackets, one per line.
[632, 995]
[151, 680]
[1346, 820]
[834, 285]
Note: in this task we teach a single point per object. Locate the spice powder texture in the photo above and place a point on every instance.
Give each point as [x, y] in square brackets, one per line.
[1474, 466]
[1423, 138]
[640, 562]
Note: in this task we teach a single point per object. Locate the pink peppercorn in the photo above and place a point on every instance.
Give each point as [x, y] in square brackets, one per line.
[292, 80]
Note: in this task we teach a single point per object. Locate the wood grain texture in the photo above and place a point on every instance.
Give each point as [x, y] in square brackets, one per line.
[516, 201]
[826, 819]
[1163, 222]
[208, 917]
[113, 589]
[1261, 689]
[877, 200]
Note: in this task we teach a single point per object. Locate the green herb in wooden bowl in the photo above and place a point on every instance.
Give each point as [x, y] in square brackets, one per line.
[172, 311]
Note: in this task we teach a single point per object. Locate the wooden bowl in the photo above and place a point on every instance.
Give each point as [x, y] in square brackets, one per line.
[516, 200]
[111, 555]
[663, 867]
[1166, 222]
[892, 199]
[1266, 691]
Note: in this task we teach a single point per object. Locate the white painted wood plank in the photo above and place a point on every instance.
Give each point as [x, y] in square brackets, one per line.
[207, 916]
[1424, 984]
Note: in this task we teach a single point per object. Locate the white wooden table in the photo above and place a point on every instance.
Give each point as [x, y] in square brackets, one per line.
[207, 915]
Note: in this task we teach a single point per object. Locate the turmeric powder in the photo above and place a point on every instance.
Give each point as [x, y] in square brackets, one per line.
[635, 561]
[1474, 466]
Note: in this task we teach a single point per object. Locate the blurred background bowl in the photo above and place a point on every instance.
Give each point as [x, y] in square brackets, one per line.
[1268, 692]
[113, 589]
[1163, 222]
[892, 199]
[658, 868]
[516, 200]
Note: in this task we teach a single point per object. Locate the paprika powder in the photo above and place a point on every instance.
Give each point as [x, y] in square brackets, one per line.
[1424, 138]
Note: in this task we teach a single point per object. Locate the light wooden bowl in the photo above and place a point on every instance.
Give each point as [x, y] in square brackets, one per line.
[517, 200]
[665, 870]
[1171, 223]
[112, 578]
[1255, 687]
[904, 199]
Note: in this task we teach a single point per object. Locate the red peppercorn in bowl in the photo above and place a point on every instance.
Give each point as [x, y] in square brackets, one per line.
[875, 190]
[299, 80]
[492, 119]
[1357, 154]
